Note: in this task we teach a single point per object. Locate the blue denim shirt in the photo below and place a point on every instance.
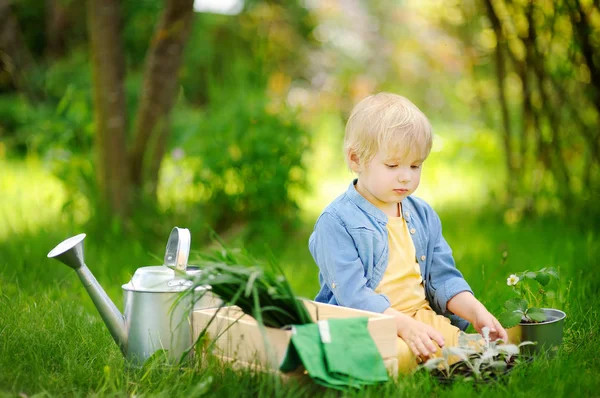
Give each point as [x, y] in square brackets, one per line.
[350, 246]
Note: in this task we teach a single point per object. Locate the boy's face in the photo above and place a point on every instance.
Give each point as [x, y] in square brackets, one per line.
[387, 179]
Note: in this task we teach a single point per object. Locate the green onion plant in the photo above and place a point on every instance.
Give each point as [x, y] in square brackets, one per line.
[261, 292]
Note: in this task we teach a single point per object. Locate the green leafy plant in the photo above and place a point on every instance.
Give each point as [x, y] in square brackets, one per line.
[250, 168]
[263, 293]
[532, 289]
[476, 358]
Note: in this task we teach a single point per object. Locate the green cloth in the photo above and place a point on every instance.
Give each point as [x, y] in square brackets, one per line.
[337, 353]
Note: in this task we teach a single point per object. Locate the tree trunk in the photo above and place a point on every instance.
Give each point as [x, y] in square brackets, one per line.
[15, 57]
[500, 77]
[108, 70]
[159, 92]
[583, 30]
[528, 122]
[56, 28]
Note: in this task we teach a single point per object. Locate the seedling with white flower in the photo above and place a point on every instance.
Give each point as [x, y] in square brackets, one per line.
[533, 293]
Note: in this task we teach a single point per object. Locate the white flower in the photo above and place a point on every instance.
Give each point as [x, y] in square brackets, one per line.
[512, 280]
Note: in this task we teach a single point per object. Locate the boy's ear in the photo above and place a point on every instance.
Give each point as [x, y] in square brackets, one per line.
[353, 161]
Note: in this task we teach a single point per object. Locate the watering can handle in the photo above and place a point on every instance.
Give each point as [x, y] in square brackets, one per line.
[178, 249]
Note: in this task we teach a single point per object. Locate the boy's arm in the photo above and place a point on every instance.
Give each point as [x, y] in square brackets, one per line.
[336, 255]
[452, 293]
[468, 307]
[446, 281]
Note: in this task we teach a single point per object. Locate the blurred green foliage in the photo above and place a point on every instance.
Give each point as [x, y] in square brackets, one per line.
[255, 89]
[231, 115]
[249, 158]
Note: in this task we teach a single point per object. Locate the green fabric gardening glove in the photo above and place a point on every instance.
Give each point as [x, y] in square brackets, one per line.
[350, 351]
[337, 353]
[306, 349]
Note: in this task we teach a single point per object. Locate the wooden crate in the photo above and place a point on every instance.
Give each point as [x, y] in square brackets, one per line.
[239, 339]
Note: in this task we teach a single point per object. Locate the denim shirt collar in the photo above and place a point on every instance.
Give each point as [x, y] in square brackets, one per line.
[370, 208]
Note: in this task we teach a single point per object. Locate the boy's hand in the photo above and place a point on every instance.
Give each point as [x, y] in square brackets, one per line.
[466, 306]
[419, 336]
[484, 318]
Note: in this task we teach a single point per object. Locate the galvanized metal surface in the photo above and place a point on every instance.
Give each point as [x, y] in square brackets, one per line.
[160, 279]
[160, 321]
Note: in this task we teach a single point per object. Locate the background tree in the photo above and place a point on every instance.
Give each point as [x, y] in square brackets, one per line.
[108, 66]
[121, 174]
[550, 128]
[278, 79]
[141, 73]
[16, 58]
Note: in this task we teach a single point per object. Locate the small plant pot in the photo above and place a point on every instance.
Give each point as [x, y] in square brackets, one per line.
[548, 334]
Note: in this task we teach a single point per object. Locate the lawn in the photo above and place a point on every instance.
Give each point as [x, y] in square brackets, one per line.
[53, 343]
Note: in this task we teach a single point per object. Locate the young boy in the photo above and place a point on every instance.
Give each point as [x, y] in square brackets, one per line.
[380, 249]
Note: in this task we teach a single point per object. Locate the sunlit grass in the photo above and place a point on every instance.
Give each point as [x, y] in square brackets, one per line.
[52, 340]
[30, 197]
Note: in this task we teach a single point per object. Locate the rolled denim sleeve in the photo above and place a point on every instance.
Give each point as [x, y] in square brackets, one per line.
[446, 280]
[336, 255]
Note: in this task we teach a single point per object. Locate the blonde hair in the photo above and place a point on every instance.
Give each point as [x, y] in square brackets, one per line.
[389, 121]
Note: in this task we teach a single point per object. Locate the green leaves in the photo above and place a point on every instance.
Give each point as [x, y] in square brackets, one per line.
[512, 317]
[515, 308]
[536, 314]
[515, 304]
[508, 319]
[246, 141]
[543, 278]
[262, 293]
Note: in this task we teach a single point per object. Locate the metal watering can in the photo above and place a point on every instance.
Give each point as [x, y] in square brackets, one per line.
[156, 314]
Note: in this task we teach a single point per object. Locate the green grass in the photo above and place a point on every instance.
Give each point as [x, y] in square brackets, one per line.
[53, 343]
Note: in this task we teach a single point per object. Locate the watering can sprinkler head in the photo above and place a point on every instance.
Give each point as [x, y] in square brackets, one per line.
[70, 252]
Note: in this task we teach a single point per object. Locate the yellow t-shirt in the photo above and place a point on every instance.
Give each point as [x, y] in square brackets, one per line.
[402, 282]
[403, 285]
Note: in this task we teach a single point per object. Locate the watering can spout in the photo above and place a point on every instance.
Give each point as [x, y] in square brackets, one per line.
[70, 252]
